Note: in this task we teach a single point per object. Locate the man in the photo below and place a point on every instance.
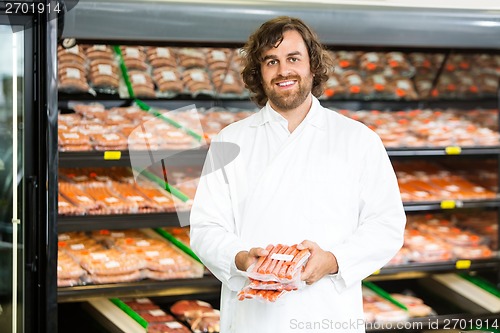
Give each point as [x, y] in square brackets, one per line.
[304, 175]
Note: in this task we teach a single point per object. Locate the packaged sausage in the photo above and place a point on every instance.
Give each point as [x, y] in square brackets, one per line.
[162, 57]
[191, 58]
[275, 274]
[260, 294]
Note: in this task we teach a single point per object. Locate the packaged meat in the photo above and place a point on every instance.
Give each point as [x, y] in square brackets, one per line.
[206, 322]
[115, 278]
[142, 303]
[399, 62]
[163, 260]
[371, 62]
[381, 310]
[354, 84]
[185, 309]
[415, 305]
[112, 203]
[155, 316]
[191, 58]
[65, 207]
[346, 60]
[79, 197]
[99, 51]
[162, 57]
[259, 294]
[135, 197]
[67, 267]
[168, 327]
[335, 87]
[227, 82]
[110, 262]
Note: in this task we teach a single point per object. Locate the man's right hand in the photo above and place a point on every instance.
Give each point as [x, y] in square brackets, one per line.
[245, 259]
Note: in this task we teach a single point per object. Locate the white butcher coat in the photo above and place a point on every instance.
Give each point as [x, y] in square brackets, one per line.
[329, 181]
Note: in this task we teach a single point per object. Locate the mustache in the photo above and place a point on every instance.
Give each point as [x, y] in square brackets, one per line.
[280, 78]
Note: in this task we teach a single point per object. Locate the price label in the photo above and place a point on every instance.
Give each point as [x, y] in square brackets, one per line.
[112, 155]
[453, 150]
[448, 204]
[462, 264]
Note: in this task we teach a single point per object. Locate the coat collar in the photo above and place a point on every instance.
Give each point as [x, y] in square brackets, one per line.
[315, 116]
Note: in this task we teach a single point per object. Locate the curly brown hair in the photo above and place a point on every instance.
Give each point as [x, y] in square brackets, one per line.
[270, 34]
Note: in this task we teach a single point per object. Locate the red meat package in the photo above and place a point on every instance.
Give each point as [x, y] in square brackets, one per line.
[275, 274]
[283, 264]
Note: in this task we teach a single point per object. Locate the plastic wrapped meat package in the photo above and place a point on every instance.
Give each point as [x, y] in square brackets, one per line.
[69, 271]
[200, 316]
[113, 194]
[72, 71]
[163, 260]
[274, 275]
[435, 237]
[104, 72]
[378, 309]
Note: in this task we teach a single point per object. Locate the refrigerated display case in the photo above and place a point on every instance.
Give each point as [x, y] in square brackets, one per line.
[202, 24]
[28, 100]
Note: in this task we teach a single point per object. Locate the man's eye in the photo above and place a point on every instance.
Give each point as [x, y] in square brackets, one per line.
[294, 59]
[271, 62]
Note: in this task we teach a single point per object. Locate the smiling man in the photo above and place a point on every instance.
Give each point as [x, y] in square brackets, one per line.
[305, 175]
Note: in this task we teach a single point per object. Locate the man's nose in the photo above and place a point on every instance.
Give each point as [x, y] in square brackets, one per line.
[284, 68]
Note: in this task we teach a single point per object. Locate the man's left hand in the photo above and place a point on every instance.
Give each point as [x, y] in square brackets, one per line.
[319, 264]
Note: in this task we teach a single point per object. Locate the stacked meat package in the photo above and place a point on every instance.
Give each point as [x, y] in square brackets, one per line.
[380, 310]
[151, 72]
[119, 256]
[430, 128]
[198, 315]
[276, 274]
[158, 321]
[95, 191]
[434, 238]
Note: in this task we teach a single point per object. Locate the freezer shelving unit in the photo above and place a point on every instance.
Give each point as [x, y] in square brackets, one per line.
[171, 23]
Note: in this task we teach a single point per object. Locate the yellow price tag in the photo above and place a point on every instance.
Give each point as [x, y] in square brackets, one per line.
[377, 272]
[462, 264]
[453, 150]
[448, 204]
[112, 155]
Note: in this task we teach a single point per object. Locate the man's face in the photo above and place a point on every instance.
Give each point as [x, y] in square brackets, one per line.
[286, 73]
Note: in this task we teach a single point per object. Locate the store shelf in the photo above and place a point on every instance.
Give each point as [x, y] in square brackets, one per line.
[145, 288]
[199, 22]
[156, 220]
[191, 157]
[450, 204]
[442, 151]
[196, 157]
[120, 221]
[464, 308]
[459, 265]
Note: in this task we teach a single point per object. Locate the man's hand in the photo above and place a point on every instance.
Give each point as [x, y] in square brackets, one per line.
[319, 264]
[245, 259]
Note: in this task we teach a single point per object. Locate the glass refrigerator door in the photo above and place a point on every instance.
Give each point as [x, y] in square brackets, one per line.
[28, 158]
[11, 179]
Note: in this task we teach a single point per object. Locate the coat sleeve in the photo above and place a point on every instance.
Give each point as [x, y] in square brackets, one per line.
[212, 228]
[381, 223]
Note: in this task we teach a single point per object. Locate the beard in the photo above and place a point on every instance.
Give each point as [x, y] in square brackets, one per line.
[290, 99]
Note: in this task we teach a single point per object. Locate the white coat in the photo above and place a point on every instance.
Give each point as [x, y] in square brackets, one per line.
[329, 181]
